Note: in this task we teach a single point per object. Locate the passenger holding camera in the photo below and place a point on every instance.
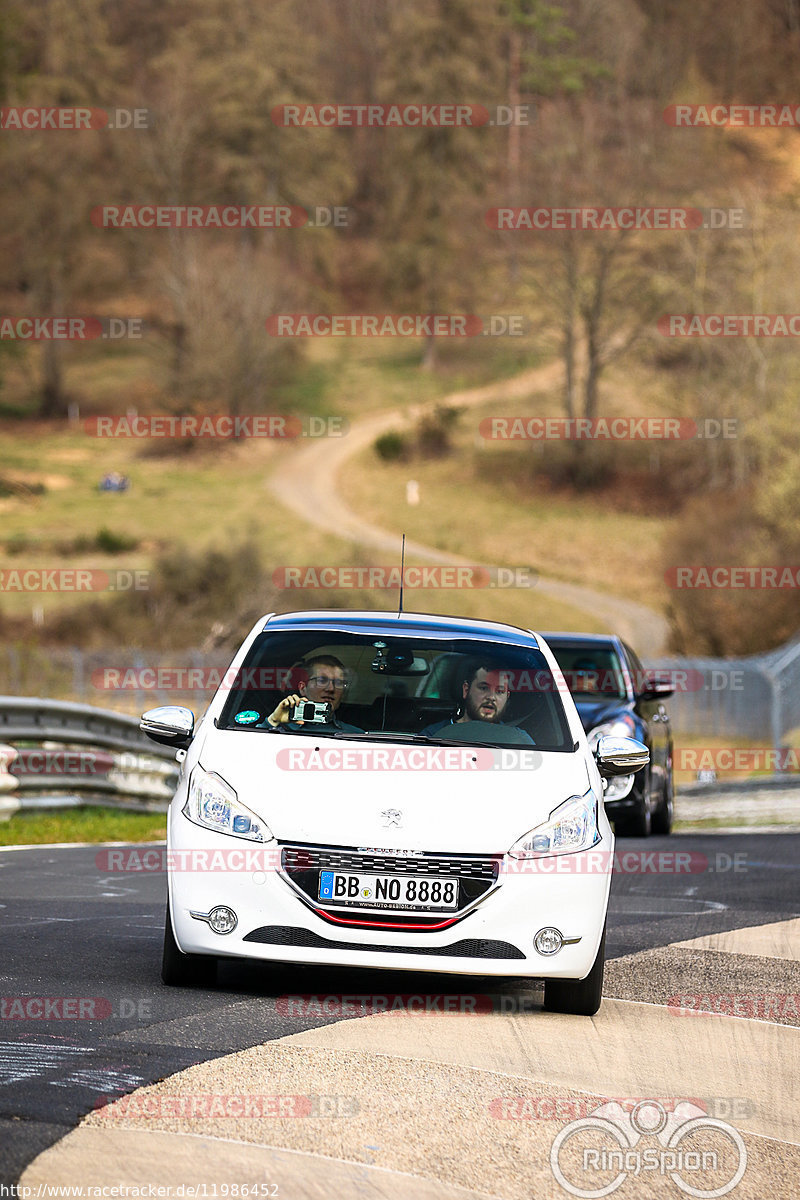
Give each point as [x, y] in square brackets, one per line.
[325, 688]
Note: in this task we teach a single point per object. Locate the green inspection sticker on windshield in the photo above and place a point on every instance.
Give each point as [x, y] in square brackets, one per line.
[247, 717]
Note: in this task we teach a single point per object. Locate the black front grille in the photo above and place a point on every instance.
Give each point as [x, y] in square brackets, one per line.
[286, 935]
[475, 875]
[304, 858]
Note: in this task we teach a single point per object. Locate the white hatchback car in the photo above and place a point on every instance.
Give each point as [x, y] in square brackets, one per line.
[392, 791]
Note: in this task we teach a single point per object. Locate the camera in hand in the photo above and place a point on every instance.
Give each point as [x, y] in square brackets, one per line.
[310, 710]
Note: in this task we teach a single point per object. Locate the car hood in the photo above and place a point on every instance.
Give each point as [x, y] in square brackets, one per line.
[469, 811]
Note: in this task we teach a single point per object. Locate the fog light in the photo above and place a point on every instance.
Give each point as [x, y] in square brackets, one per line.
[222, 919]
[548, 941]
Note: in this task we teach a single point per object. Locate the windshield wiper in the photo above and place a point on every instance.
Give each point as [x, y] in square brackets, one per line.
[426, 740]
[391, 735]
[287, 728]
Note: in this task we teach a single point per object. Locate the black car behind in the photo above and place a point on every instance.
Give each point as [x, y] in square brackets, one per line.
[615, 695]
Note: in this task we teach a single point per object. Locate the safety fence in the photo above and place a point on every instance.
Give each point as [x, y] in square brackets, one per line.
[72, 754]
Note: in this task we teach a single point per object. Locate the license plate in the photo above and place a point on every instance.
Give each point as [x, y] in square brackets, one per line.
[388, 891]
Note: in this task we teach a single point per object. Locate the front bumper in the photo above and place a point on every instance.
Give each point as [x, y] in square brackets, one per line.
[569, 892]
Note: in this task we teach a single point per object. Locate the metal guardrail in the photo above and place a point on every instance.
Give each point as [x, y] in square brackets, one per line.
[75, 754]
[755, 698]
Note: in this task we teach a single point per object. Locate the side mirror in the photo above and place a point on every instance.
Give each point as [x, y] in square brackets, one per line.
[656, 689]
[170, 725]
[620, 756]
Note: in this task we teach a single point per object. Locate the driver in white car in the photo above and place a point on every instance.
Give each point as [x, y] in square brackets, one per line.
[484, 697]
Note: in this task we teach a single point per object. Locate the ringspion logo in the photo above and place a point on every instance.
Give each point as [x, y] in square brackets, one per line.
[690, 1147]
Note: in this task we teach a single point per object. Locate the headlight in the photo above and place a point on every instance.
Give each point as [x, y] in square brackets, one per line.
[212, 803]
[570, 827]
[621, 726]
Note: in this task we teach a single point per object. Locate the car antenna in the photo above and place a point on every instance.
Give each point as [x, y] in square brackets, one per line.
[402, 573]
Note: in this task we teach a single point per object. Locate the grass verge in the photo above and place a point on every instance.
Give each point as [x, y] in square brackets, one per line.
[88, 824]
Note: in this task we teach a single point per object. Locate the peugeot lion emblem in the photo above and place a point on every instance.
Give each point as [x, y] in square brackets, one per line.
[392, 816]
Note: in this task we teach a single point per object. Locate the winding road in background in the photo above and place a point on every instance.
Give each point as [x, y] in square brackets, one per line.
[306, 482]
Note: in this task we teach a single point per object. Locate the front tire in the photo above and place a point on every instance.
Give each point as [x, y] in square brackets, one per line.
[664, 814]
[637, 822]
[581, 997]
[185, 970]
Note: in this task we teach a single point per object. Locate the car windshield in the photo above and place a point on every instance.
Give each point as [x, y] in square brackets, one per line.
[591, 672]
[410, 686]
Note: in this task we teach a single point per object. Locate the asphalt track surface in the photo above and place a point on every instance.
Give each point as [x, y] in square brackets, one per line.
[71, 930]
